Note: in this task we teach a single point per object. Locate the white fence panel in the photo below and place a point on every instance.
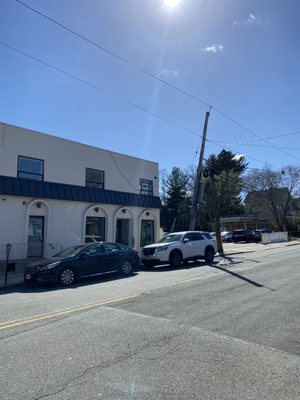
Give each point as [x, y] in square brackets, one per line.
[274, 237]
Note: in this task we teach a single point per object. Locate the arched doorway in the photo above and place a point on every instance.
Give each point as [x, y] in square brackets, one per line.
[124, 227]
[147, 228]
[95, 221]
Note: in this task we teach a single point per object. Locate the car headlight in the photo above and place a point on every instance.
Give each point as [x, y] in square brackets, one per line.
[163, 248]
[49, 266]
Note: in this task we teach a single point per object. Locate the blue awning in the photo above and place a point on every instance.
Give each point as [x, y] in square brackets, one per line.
[11, 186]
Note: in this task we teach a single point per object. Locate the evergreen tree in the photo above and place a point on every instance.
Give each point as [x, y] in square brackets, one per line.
[175, 201]
[223, 186]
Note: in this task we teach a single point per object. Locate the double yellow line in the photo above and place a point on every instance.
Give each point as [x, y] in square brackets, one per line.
[65, 311]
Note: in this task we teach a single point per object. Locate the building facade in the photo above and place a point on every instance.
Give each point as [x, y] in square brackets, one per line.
[56, 193]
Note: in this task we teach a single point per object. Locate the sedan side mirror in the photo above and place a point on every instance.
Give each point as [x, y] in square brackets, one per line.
[185, 240]
[84, 254]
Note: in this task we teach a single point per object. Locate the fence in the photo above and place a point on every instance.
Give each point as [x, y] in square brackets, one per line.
[274, 237]
[21, 251]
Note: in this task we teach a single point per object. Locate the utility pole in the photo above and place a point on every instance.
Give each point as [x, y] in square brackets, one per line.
[198, 188]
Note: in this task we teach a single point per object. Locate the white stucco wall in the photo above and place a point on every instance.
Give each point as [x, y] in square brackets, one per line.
[64, 221]
[65, 161]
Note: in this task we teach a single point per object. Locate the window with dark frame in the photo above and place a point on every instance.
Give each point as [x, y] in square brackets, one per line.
[146, 187]
[94, 229]
[94, 178]
[30, 168]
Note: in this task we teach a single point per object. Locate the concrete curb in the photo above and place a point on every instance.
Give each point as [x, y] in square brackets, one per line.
[18, 277]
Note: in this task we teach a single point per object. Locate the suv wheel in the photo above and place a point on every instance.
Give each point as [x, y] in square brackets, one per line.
[209, 255]
[175, 259]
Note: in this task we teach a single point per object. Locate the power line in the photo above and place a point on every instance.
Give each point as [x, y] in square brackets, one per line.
[102, 48]
[230, 148]
[100, 89]
[270, 137]
[254, 134]
[265, 146]
[118, 97]
[111, 53]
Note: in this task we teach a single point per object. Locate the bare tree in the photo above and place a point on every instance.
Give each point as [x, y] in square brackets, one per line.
[273, 192]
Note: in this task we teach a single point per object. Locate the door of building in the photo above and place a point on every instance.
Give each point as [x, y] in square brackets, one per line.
[35, 240]
[122, 231]
[147, 232]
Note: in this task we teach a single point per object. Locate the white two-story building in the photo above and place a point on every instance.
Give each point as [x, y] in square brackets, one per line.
[55, 193]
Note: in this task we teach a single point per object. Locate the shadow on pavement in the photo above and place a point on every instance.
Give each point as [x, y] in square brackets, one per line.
[167, 267]
[88, 281]
[239, 276]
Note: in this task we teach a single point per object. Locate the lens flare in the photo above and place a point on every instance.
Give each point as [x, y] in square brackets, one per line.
[172, 3]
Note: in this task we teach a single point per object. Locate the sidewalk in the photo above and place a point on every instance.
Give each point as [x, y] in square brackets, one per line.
[15, 279]
[240, 248]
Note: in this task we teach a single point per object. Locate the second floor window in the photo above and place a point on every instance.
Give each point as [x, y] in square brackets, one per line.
[30, 168]
[146, 187]
[94, 178]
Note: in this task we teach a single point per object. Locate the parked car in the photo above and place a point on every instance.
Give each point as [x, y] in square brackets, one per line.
[226, 236]
[177, 247]
[73, 263]
[244, 235]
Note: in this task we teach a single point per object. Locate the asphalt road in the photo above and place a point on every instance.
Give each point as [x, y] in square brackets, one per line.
[226, 331]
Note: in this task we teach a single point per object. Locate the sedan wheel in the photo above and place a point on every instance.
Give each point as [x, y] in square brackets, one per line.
[67, 276]
[126, 267]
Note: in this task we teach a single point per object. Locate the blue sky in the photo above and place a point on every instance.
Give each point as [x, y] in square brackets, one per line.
[242, 57]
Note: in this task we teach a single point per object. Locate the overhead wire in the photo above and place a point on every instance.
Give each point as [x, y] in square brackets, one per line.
[230, 148]
[253, 133]
[100, 89]
[120, 99]
[270, 137]
[122, 59]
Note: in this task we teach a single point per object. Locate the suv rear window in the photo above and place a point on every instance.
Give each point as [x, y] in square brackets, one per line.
[197, 236]
[207, 235]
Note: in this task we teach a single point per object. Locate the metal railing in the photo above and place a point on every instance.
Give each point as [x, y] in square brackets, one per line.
[23, 251]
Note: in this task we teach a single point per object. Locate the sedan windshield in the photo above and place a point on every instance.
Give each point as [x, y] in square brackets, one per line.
[70, 251]
[171, 238]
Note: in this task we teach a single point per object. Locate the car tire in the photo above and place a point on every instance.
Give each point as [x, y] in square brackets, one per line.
[209, 255]
[175, 259]
[67, 276]
[126, 268]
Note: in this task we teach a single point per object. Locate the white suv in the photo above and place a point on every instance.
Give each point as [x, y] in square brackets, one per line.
[176, 247]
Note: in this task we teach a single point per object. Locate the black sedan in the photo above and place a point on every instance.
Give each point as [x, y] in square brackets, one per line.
[73, 263]
[244, 235]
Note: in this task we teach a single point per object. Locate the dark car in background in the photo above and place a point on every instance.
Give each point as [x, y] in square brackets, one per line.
[226, 236]
[76, 262]
[244, 235]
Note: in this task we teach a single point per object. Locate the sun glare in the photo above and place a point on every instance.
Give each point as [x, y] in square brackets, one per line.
[172, 3]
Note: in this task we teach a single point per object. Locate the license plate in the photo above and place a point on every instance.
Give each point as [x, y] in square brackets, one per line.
[28, 276]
